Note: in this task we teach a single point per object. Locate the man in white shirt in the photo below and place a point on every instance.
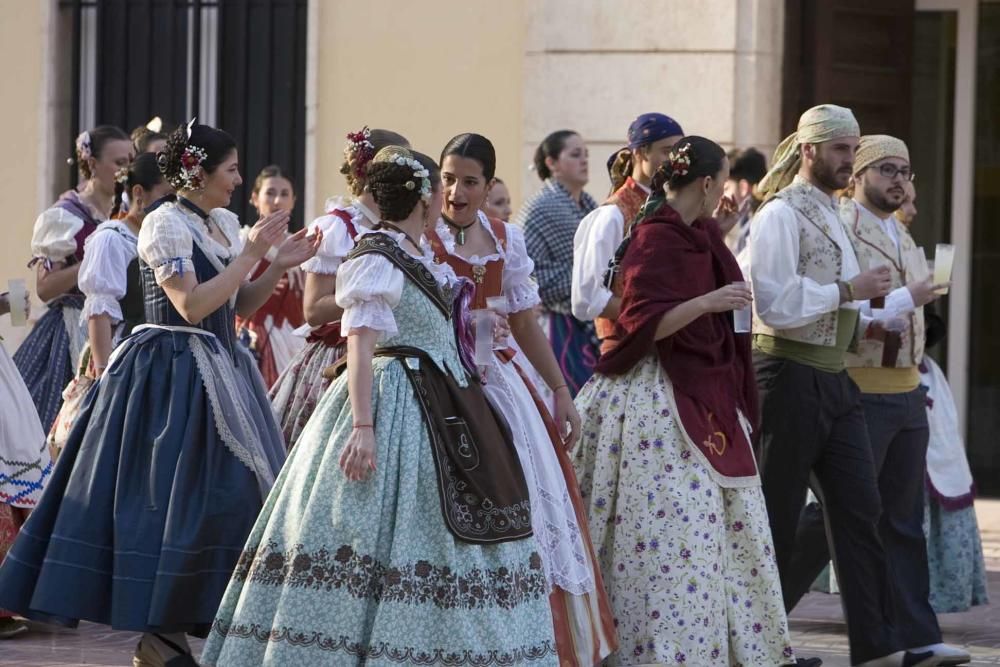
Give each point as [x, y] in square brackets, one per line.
[807, 287]
[885, 367]
[650, 138]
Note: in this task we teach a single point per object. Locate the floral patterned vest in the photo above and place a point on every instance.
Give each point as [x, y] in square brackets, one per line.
[873, 245]
[820, 259]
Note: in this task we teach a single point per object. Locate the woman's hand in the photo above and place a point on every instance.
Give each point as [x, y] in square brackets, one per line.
[267, 232]
[296, 279]
[297, 248]
[358, 457]
[727, 213]
[730, 297]
[566, 414]
[501, 330]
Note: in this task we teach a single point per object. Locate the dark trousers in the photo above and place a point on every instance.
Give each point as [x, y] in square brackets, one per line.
[813, 433]
[898, 431]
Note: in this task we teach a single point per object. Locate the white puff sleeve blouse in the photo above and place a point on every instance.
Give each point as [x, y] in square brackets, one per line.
[103, 277]
[53, 238]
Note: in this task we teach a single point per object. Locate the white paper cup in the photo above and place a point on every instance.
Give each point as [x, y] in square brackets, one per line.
[17, 295]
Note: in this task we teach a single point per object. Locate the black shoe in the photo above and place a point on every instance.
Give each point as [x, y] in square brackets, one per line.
[808, 662]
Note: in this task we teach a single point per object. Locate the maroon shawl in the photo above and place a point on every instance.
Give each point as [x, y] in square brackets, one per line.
[667, 263]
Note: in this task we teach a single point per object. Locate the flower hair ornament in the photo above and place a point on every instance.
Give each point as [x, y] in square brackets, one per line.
[83, 150]
[121, 176]
[421, 176]
[359, 151]
[191, 176]
[680, 160]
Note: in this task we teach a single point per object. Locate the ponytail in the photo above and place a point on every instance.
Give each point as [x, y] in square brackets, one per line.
[620, 168]
[119, 192]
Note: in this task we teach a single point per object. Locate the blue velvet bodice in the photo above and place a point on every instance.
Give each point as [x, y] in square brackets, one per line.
[160, 311]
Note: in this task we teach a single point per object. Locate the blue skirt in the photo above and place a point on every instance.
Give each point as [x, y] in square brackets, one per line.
[576, 347]
[45, 361]
[149, 505]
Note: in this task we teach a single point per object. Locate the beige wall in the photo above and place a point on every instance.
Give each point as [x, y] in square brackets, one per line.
[593, 66]
[428, 70]
[22, 39]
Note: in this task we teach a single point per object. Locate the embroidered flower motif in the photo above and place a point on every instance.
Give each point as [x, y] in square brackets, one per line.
[191, 175]
[680, 160]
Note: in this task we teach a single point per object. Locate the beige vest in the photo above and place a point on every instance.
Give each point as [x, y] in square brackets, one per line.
[873, 245]
[820, 259]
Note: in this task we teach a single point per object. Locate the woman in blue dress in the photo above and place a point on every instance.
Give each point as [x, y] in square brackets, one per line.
[48, 357]
[399, 531]
[176, 447]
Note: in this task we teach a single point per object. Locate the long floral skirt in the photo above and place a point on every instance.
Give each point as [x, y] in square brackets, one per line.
[340, 572]
[689, 564]
[954, 557]
[297, 391]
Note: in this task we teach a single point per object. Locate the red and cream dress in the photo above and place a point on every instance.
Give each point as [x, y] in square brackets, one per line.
[297, 390]
[666, 469]
[584, 627]
[271, 330]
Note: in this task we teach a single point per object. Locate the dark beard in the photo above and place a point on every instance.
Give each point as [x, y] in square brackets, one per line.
[827, 176]
[880, 201]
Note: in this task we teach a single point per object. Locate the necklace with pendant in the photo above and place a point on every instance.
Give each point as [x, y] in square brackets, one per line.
[458, 230]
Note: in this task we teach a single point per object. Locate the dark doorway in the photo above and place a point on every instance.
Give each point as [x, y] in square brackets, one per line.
[236, 64]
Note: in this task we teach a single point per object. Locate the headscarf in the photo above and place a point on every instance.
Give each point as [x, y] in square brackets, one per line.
[875, 147]
[646, 129]
[821, 123]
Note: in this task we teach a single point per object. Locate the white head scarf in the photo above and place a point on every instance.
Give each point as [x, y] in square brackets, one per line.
[821, 123]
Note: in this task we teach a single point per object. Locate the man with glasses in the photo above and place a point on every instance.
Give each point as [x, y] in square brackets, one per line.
[808, 288]
[885, 367]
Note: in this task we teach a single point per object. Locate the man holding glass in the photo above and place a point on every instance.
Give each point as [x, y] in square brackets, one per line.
[808, 288]
[885, 368]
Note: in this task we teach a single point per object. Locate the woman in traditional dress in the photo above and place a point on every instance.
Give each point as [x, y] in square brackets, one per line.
[297, 391]
[399, 530]
[25, 464]
[954, 546]
[650, 138]
[109, 273]
[175, 448]
[271, 330]
[110, 281]
[550, 219]
[491, 253]
[48, 356]
[664, 460]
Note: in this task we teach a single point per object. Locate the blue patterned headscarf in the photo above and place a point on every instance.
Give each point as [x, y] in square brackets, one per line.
[650, 127]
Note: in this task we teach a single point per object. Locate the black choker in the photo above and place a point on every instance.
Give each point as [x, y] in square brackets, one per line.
[459, 230]
[194, 208]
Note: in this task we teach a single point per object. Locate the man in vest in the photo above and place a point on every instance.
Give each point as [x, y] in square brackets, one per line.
[808, 288]
[885, 368]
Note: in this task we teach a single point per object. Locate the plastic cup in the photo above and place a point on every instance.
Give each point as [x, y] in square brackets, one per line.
[498, 305]
[944, 258]
[17, 295]
[743, 317]
[483, 319]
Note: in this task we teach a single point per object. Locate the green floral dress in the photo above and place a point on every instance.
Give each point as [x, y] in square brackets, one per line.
[342, 573]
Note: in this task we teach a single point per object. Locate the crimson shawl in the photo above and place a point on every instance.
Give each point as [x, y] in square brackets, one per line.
[667, 263]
